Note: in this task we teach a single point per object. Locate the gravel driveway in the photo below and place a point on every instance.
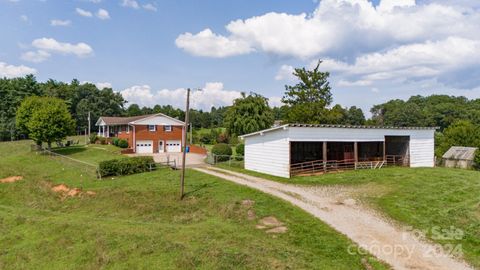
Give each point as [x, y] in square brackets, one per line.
[396, 246]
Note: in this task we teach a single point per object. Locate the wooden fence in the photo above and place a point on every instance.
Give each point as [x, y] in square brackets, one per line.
[320, 166]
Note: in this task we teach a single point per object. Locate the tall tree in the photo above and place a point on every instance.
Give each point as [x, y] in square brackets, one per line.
[248, 114]
[46, 119]
[355, 116]
[134, 110]
[12, 92]
[308, 99]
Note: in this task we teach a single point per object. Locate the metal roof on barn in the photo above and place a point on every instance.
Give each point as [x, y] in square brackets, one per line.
[335, 126]
[460, 153]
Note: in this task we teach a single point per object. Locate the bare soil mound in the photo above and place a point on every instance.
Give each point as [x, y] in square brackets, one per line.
[11, 179]
[70, 192]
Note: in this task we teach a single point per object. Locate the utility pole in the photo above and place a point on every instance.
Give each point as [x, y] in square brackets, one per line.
[191, 134]
[184, 154]
[89, 125]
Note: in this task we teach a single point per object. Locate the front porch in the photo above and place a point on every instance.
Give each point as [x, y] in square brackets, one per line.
[111, 131]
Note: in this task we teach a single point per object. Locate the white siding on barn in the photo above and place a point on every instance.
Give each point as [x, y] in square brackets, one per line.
[422, 151]
[268, 154]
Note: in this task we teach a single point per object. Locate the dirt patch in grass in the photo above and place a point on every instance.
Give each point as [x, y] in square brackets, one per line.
[272, 224]
[11, 179]
[248, 204]
[65, 191]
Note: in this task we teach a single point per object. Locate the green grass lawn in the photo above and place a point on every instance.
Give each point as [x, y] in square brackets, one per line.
[424, 198]
[93, 153]
[137, 221]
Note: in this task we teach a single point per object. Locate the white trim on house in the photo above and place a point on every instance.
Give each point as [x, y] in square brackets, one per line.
[158, 119]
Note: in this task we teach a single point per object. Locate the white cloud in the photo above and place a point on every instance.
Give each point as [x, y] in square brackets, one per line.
[83, 12]
[35, 56]
[24, 18]
[212, 94]
[285, 73]
[60, 22]
[130, 3]
[206, 43]
[407, 62]
[275, 102]
[11, 71]
[103, 14]
[100, 85]
[346, 28]
[150, 7]
[51, 45]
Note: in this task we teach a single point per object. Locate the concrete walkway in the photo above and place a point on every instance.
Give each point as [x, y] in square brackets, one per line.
[396, 246]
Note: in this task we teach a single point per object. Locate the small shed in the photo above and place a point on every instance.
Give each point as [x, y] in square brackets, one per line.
[459, 157]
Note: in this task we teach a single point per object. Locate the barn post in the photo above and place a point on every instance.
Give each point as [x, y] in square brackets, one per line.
[324, 155]
[355, 153]
[384, 151]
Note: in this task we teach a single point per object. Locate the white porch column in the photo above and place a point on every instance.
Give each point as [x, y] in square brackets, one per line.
[108, 131]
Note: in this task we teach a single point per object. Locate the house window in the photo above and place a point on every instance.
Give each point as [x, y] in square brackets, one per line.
[152, 128]
[168, 128]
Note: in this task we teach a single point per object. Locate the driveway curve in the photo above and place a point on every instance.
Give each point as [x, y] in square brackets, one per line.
[398, 247]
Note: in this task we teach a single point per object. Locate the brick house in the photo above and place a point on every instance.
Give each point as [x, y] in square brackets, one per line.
[155, 133]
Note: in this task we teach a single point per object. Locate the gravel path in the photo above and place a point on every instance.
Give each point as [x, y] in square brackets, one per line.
[397, 247]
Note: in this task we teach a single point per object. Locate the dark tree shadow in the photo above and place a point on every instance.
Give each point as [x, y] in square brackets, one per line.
[201, 187]
[70, 150]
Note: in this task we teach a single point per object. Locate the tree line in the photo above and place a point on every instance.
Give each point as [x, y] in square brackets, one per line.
[309, 101]
[82, 98]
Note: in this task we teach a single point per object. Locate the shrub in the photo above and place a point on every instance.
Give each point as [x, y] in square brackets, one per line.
[103, 141]
[477, 160]
[93, 138]
[222, 138]
[122, 143]
[126, 166]
[240, 149]
[115, 141]
[224, 151]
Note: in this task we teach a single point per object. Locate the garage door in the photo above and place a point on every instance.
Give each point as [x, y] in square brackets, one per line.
[174, 146]
[144, 147]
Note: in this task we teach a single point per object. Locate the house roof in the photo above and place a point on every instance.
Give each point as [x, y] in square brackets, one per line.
[460, 153]
[335, 126]
[112, 121]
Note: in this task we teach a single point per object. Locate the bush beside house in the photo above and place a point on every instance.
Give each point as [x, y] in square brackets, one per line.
[122, 143]
[126, 166]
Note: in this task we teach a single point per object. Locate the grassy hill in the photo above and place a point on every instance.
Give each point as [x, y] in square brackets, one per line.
[428, 199]
[138, 221]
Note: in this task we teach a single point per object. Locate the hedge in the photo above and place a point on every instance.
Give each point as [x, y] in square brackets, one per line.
[240, 149]
[125, 166]
[223, 150]
[122, 143]
[115, 141]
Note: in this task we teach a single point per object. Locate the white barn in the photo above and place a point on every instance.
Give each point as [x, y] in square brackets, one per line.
[296, 149]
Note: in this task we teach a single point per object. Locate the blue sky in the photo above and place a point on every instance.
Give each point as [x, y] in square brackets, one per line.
[151, 50]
